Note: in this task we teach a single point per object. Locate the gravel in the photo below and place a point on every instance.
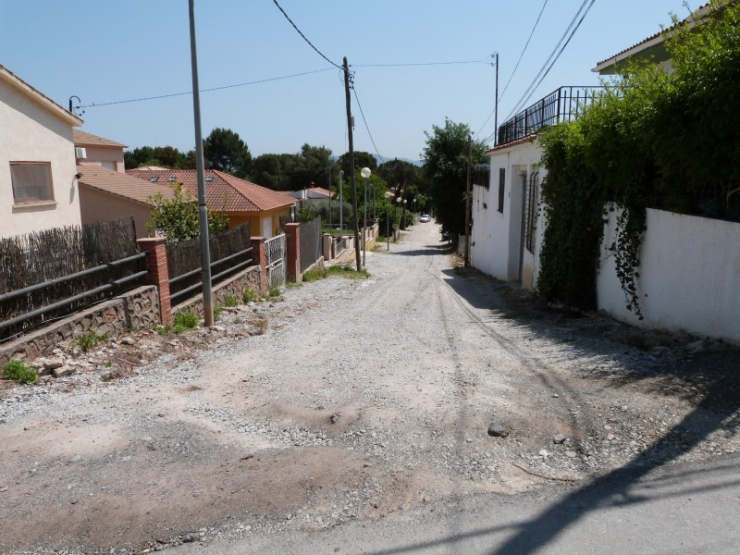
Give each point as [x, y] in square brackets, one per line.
[347, 399]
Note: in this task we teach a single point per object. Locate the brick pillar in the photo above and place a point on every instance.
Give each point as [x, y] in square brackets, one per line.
[260, 256]
[156, 264]
[293, 232]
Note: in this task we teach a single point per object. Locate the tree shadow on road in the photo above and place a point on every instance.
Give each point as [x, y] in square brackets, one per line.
[716, 406]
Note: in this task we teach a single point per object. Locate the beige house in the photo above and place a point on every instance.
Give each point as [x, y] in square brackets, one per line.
[92, 150]
[109, 195]
[264, 209]
[38, 187]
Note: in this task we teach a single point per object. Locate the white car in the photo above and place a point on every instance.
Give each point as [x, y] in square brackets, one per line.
[425, 218]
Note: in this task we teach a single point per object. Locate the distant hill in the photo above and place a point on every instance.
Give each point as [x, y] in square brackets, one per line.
[391, 158]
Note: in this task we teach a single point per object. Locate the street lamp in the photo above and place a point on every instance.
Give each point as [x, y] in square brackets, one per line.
[398, 202]
[403, 214]
[365, 173]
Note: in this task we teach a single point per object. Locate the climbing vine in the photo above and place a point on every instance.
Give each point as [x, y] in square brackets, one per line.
[654, 140]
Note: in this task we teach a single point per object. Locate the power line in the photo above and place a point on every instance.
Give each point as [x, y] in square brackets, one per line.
[524, 49]
[554, 55]
[362, 113]
[260, 81]
[481, 61]
[304, 36]
[519, 61]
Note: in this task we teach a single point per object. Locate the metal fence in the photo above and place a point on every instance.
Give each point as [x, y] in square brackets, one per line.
[310, 243]
[564, 104]
[50, 274]
[230, 252]
[275, 253]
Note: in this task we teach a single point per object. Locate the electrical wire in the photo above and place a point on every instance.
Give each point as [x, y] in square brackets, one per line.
[481, 61]
[554, 55]
[519, 61]
[362, 113]
[304, 36]
[260, 81]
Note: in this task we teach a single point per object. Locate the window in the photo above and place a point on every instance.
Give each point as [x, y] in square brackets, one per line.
[501, 188]
[31, 182]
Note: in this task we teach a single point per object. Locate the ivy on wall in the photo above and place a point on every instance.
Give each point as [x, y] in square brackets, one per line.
[654, 140]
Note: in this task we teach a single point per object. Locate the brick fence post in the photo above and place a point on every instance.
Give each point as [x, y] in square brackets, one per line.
[156, 264]
[293, 232]
[260, 255]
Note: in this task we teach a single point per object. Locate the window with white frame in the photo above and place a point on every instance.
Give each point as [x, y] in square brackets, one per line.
[31, 182]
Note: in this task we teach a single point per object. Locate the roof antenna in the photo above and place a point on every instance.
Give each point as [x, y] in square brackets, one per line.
[71, 107]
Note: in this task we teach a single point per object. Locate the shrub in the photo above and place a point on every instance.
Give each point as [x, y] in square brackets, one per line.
[183, 321]
[16, 370]
[91, 339]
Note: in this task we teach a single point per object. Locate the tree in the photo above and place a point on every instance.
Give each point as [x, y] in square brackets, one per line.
[177, 218]
[362, 160]
[445, 165]
[313, 165]
[226, 152]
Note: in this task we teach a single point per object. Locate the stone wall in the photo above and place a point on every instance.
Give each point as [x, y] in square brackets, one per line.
[233, 287]
[135, 309]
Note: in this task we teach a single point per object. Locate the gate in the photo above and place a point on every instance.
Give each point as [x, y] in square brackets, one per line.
[310, 243]
[275, 252]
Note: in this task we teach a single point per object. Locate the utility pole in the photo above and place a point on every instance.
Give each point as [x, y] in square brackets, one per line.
[352, 164]
[495, 107]
[467, 204]
[330, 196]
[205, 258]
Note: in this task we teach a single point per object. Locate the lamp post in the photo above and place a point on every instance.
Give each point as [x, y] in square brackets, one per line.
[341, 202]
[403, 214]
[398, 202]
[365, 173]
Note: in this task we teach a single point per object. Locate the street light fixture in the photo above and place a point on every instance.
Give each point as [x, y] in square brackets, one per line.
[365, 173]
[398, 202]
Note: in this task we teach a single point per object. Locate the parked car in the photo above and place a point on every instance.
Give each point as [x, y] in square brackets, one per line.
[425, 218]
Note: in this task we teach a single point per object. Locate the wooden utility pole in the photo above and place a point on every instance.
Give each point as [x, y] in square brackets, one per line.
[352, 165]
[467, 205]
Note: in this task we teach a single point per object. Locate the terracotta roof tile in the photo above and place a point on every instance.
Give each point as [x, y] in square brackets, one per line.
[121, 184]
[82, 138]
[223, 191]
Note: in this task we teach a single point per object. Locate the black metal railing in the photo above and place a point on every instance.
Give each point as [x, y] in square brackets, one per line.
[230, 252]
[564, 104]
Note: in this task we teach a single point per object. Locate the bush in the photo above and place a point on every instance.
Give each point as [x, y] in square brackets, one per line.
[91, 339]
[183, 321]
[16, 370]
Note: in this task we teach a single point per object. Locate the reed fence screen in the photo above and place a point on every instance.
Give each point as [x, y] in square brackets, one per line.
[46, 262]
[230, 252]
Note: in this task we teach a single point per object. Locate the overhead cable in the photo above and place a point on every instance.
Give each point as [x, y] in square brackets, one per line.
[554, 55]
[260, 81]
[304, 36]
[362, 113]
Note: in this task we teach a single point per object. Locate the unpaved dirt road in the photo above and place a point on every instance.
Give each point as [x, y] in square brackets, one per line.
[352, 400]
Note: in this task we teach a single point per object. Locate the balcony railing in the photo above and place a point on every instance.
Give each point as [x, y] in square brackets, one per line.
[564, 104]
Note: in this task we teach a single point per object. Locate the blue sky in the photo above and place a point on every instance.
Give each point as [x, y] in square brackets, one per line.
[105, 51]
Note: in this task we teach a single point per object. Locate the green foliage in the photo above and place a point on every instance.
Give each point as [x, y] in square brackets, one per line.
[230, 301]
[273, 293]
[250, 295]
[177, 218]
[362, 160]
[656, 140]
[225, 151]
[314, 275]
[445, 165]
[90, 339]
[184, 320]
[165, 156]
[16, 370]
[217, 312]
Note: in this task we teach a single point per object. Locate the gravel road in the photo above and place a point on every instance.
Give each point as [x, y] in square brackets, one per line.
[348, 400]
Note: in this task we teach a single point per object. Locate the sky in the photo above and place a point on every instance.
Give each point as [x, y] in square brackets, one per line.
[105, 51]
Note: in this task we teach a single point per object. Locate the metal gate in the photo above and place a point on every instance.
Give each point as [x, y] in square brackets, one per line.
[275, 252]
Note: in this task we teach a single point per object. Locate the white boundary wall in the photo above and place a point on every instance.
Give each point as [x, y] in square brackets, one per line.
[689, 276]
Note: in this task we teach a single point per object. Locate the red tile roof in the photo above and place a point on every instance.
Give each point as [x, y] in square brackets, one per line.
[82, 138]
[223, 191]
[120, 184]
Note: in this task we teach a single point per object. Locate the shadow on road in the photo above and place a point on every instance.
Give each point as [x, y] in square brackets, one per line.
[717, 402]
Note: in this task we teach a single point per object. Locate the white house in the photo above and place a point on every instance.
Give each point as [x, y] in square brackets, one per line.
[38, 187]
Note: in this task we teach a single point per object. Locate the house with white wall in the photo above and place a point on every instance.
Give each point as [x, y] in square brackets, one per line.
[508, 224]
[92, 150]
[38, 184]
